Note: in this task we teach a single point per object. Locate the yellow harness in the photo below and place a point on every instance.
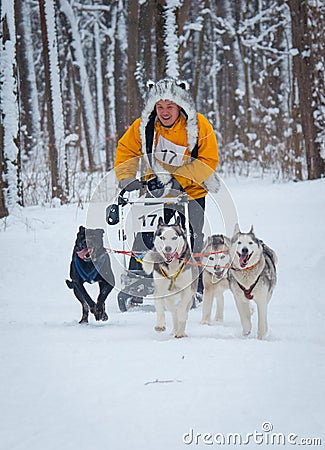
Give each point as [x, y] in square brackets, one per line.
[172, 278]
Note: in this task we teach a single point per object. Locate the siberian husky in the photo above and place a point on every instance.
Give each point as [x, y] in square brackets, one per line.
[215, 263]
[174, 273]
[252, 276]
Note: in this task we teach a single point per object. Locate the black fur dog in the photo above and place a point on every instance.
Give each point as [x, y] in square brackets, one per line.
[90, 263]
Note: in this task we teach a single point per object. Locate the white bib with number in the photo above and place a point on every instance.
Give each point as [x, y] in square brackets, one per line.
[169, 153]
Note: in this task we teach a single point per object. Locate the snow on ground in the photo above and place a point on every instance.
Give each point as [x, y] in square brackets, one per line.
[119, 385]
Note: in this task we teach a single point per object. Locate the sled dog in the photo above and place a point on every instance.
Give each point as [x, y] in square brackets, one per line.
[252, 276]
[90, 263]
[215, 264]
[174, 275]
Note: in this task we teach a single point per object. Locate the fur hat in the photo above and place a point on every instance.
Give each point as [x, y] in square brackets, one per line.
[176, 91]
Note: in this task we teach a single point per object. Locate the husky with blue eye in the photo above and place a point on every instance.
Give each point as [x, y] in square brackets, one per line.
[175, 275]
[215, 263]
[252, 276]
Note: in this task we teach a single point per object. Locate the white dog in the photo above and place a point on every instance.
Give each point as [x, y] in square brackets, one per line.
[252, 276]
[215, 262]
[175, 276]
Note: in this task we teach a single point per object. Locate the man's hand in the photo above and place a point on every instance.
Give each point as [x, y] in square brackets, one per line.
[130, 184]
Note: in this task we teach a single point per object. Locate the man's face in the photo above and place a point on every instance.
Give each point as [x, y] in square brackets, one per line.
[167, 112]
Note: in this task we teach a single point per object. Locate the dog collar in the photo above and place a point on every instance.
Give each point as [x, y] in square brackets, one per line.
[247, 268]
[89, 276]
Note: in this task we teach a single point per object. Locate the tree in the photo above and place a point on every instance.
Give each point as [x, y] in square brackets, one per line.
[10, 179]
[52, 99]
[132, 87]
[305, 63]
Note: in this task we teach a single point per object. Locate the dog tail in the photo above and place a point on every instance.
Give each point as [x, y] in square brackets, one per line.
[69, 283]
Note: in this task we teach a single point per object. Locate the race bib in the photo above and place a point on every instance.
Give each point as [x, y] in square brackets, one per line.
[169, 153]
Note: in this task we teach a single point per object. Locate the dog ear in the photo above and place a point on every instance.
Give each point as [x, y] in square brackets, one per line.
[227, 241]
[161, 222]
[178, 221]
[251, 231]
[81, 228]
[236, 230]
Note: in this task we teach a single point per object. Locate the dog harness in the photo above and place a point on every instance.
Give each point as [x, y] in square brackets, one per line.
[88, 276]
[248, 292]
[172, 278]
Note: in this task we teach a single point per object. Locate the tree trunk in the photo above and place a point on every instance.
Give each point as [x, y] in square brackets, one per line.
[303, 71]
[53, 151]
[10, 184]
[81, 86]
[133, 24]
[160, 41]
[120, 69]
[3, 208]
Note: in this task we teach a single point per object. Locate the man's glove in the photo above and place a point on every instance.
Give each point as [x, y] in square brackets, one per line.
[130, 184]
[156, 187]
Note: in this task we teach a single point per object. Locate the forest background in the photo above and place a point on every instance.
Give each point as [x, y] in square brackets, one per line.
[73, 77]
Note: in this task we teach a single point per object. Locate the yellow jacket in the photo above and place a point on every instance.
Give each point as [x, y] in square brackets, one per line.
[191, 173]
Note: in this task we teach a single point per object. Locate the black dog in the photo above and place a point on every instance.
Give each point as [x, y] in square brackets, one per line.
[90, 263]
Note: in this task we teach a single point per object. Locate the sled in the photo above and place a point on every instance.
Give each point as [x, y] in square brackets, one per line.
[138, 219]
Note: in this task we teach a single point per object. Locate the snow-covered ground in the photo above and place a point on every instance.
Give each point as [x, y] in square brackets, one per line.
[119, 385]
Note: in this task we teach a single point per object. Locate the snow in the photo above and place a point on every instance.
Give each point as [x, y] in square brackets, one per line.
[119, 385]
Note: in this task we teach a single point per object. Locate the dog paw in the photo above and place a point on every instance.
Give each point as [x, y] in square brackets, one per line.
[104, 317]
[205, 322]
[180, 335]
[160, 329]
[99, 313]
[83, 320]
[246, 333]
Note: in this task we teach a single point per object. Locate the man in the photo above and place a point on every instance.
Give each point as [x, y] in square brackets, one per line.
[180, 146]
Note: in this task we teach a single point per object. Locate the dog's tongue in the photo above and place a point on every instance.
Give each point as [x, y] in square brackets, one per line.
[85, 253]
[243, 259]
[170, 256]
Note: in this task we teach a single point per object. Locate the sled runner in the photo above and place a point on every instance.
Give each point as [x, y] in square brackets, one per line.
[138, 219]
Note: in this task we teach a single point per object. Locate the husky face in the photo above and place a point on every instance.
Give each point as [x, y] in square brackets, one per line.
[169, 241]
[216, 257]
[245, 248]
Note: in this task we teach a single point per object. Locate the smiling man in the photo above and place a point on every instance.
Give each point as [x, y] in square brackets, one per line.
[167, 112]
